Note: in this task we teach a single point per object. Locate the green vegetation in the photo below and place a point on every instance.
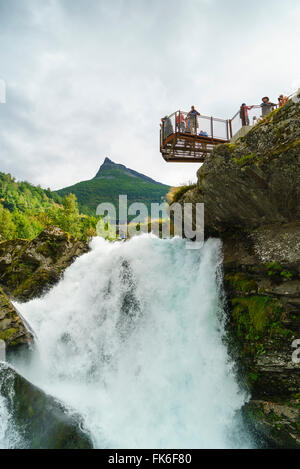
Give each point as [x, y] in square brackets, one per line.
[244, 160]
[111, 181]
[275, 270]
[23, 196]
[241, 282]
[25, 210]
[256, 315]
[8, 333]
[175, 193]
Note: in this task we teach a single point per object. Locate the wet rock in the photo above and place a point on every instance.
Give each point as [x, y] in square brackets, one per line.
[278, 423]
[13, 330]
[41, 421]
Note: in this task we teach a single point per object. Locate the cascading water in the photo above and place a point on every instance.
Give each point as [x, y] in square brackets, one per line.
[132, 339]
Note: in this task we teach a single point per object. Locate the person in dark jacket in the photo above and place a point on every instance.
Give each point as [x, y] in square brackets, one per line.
[192, 120]
[166, 126]
[266, 106]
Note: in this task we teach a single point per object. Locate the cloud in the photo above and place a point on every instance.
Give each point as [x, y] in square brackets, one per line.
[88, 79]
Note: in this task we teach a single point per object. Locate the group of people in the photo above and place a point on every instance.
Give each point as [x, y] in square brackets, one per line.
[266, 107]
[188, 124]
[184, 124]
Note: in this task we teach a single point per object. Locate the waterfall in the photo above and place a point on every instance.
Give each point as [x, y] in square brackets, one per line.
[132, 339]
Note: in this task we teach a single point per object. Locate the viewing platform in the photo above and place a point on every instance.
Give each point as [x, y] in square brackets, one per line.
[187, 137]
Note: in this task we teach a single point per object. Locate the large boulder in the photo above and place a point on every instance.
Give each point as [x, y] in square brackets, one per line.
[41, 421]
[251, 192]
[28, 268]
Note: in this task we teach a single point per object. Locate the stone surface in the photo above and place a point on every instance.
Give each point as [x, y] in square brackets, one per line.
[277, 422]
[28, 268]
[41, 421]
[13, 331]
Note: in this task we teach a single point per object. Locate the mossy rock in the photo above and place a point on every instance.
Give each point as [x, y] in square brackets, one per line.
[13, 331]
[241, 283]
[278, 423]
[256, 315]
[29, 268]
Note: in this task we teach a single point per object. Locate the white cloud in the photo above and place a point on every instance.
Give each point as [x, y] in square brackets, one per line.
[88, 79]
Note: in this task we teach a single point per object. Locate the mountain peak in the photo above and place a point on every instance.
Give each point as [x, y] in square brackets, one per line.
[108, 164]
[114, 179]
[107, 160]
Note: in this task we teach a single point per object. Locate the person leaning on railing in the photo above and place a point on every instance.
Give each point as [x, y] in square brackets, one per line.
[266, 106]
[192, 120]
[244, 114]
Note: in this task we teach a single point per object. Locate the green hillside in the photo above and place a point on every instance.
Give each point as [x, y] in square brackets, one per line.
[24, 196]
[25, 210]
[111, 181]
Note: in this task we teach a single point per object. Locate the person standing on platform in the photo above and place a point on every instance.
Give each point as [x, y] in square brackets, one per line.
[244, 114]
[282, 100]
[192, 120]
[266, 106]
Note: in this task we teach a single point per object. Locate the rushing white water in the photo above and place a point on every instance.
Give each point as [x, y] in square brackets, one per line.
[9, 435]
[132, 339]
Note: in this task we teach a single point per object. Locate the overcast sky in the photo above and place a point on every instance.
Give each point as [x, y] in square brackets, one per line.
[86, 79]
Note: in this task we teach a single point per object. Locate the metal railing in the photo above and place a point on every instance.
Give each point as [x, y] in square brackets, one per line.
[252, 115]
[181, 122]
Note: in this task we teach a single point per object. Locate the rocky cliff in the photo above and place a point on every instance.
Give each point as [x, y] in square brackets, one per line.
[13, 331]
[27, 270]
[251, 192]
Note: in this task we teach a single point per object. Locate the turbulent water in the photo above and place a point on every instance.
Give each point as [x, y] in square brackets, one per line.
[132, 339]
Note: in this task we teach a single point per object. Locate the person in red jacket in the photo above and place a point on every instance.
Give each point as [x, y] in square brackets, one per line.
[282, 100]
[180, 122]
[244, 114]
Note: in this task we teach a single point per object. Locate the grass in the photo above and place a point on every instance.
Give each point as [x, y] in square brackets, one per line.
[175, 193]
